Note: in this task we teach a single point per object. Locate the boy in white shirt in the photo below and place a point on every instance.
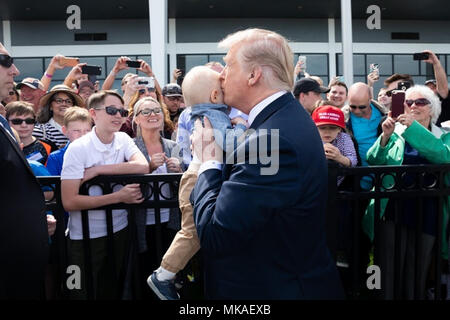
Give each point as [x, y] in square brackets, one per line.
[103, 151]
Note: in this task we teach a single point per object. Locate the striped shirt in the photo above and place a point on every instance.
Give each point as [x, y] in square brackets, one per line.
[48, 131]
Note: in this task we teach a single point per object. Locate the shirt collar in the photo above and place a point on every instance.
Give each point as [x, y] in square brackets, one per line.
[55, 124]
[100, 146]
[260, 106]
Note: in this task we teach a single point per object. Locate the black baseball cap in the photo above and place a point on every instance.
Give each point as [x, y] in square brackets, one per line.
[306, 85]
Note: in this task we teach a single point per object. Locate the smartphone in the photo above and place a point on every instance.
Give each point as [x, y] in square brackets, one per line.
[404, 85]
[302, 59]
[149, 82]
[180, 78]
[421, 56]
[133, 64]
[398, 100]
[374, 67]
[95, 70]
[69, 62]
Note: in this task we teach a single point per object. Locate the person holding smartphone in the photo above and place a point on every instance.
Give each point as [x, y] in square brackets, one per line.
[412, 138]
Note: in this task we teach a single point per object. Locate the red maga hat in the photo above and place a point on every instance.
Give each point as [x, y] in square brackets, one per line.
[328, 115]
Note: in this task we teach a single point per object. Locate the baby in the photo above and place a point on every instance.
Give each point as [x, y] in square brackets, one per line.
[201, 90]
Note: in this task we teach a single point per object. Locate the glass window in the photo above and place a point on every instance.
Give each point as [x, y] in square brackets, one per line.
[147, 59]
[359, 67]
[405, 64]
[217, 57]
[29, 67]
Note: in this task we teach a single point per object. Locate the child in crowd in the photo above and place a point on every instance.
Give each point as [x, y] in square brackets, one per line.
[202, 91]
[103, 151]
[77, 122]
[22, 118]
[337, 144]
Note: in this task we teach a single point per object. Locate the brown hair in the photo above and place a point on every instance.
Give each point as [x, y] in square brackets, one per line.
[19, 108]
[336, 82]
[98, 98]
[398, 76]
[76, 114]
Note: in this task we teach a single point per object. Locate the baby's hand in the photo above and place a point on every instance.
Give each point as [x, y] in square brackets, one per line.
[238, 120]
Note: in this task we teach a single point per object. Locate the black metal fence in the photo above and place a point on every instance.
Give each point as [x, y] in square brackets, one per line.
[417, 184]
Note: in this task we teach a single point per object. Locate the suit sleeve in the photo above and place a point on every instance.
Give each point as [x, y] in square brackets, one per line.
[229, 213]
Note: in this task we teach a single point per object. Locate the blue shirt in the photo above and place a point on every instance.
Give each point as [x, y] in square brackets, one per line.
[365, 133]
[55, 161]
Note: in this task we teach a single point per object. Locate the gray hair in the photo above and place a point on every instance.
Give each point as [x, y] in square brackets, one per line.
[427, 93]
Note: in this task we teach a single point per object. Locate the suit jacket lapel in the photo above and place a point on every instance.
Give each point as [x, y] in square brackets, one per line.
[270, 109]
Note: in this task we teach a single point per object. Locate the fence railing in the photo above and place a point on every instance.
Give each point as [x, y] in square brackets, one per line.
[406, 183]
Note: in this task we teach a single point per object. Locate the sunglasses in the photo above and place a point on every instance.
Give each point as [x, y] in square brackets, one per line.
[418, 102]
[6, 61]
[112, 111]
[147, 112]
[18, 121]
[358, 107]
[142, 91]
[174, 98]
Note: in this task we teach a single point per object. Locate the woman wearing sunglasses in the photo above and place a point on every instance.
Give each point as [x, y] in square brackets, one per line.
[51, 117]
[410, 139]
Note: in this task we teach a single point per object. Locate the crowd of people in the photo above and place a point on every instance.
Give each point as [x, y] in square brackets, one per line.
[262, 236]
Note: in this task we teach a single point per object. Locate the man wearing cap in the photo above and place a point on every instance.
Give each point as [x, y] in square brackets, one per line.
[23, 222]
[172, 97]
[31, 90]
[307, 91]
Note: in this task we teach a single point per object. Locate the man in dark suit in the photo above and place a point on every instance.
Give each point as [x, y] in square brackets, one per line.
[23, 223]
[261, 226]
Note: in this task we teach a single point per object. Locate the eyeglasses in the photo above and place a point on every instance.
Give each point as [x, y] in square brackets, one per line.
[18, 121]
[6, 61]
[418, 102]
[112, 111]
[61, 101]
[148, 112]
[358, 107]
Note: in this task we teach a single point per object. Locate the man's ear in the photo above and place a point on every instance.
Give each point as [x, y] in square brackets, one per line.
[254, 76]
[92, 113]
[64, 130]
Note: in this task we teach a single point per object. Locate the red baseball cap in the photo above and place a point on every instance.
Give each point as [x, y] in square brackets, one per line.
[328, 115]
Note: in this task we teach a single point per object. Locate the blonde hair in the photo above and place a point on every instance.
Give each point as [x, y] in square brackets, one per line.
[268, 50]
[76, 114]
[139, 106]
[198, 84]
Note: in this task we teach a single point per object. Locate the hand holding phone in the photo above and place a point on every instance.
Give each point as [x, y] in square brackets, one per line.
[421, 56]
[69, 62]
[302, 62]
[133, 64]
[397, 106]
[91, 70]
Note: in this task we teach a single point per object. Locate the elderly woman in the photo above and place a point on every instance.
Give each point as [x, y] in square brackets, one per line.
[51, 117]
[149, 118]
[410, 139]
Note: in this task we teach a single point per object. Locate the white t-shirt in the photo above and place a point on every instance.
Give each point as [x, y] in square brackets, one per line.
[86, 152]
[164, 191]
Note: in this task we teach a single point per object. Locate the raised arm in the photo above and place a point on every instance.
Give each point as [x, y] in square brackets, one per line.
[439, 74]
[118, 66]
[54, 64]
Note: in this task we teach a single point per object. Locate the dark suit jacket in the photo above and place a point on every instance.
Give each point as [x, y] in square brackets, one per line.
[263, 236]
[23, 226]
